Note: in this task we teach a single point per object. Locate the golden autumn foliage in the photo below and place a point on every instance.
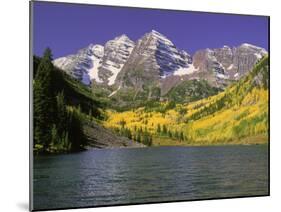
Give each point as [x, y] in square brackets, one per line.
[237, 115]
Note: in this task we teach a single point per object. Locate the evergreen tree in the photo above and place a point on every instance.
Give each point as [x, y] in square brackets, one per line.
[61, 113]
[176, 134]
[90, 114]
[150, 140]
[138, 137]
[75, 131]
[170, 134]
[158, 128]
[181, 136]
[44, 101]
[145, 139]
[54, 134]
[164, 131]
[57, 128]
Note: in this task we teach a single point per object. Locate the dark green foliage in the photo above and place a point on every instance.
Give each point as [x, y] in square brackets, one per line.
[58, 128]
[191, 90]
[170, 134]
[75, 92]
[44, 101]
[126, 132]
[140, 136]
[181, 137]
[147, 139]
[158, 128]
[36, 61]
[176, 134]
[129, 98]
[148, 96]
[75, 131]
[61, 121]
[156, 106]
[164, 130]
[171, 104]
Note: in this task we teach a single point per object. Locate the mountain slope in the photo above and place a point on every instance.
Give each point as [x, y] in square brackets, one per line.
[79, 98]
[153, 57]
[190, 91]
[237, 115]
[124, 72]
[224, 64]
[97, 63]
[76, 93]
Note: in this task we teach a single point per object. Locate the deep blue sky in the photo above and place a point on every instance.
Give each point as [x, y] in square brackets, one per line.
[66, 28]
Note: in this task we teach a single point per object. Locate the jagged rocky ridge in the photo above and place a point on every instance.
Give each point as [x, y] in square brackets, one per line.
[155, 61]
[96, 62]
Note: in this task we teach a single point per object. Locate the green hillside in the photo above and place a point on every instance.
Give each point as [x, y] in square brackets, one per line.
[237, 115]
[67, 114]
[191, 90]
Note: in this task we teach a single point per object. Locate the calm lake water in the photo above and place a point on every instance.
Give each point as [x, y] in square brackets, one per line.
[124, 176]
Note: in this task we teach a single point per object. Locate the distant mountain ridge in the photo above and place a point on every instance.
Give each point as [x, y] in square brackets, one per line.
[155, 61]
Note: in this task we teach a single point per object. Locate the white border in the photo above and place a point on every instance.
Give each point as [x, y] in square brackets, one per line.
[15, 104]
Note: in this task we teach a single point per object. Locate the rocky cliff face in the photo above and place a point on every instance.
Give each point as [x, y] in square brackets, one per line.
[224, 64]
[154, 57]
[80, 65]
[155, 61]
[98, 63]
[116, 54]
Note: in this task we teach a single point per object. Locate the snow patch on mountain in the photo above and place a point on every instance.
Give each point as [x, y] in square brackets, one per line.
[161, 37]
[222, 76]
[114, 71]
[236, 75]
[230, 67]
[185, 71]
[258, 55]
[116, 53]
[158, 57]
[60, 61]
[94, 71]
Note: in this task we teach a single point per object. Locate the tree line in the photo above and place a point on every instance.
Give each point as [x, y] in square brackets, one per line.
[176, 134]
[57, 127]
[139, 135]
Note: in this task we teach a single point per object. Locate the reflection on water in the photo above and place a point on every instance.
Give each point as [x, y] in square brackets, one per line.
[124, 176]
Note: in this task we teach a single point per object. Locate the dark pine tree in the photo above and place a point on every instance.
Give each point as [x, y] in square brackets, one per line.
[61, 114]
[164, 131]
[75, 131]
[44, 101]
[158, 128]
[181, 136]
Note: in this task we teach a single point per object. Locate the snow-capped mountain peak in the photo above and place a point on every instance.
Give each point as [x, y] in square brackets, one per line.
[157, 36]
[157, 51]
[116, 53]
[96, 62]
[122, 38]
[121, 62]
